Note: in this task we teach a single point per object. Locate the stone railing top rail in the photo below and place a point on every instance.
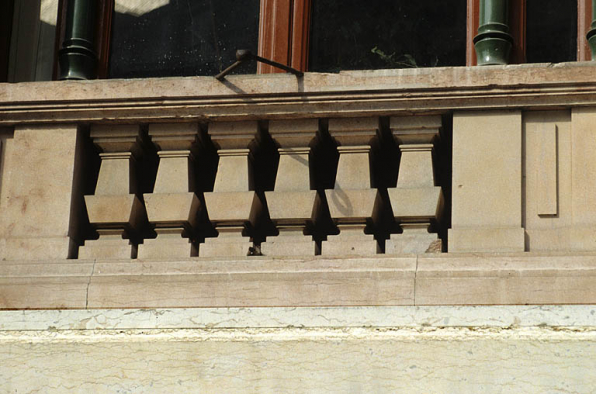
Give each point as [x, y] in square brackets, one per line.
[349, 93]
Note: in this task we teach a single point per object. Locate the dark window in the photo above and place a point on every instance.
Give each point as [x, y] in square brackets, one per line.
[182, 38]
[376, 34]
[551, 31]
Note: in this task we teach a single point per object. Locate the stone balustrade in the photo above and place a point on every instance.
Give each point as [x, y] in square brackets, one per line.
[357, 164]
[355, 188]
[289, 220]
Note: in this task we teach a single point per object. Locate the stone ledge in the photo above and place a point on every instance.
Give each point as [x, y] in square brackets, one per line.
[275, 96]
[448, 279]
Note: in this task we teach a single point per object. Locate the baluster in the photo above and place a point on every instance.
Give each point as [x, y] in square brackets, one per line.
[115, 211]
[173, 206]
[416, 201]
[233, 206]
[292, 205]
[353, 203]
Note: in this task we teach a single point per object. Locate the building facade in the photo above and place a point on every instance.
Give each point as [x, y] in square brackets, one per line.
[415, 230]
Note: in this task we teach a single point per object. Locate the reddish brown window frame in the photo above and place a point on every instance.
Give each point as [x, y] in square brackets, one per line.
[284, 33]
[584, 19]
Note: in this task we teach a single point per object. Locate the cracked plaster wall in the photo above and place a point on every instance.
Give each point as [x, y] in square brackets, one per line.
[549, 349]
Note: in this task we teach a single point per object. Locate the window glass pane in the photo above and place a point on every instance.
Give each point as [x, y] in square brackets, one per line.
[375, 34]
[551, 31]
[160, 38]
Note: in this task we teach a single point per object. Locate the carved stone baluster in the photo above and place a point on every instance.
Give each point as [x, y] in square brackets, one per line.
[115, 210]
[292, 204]
[233, 206]
[173, 206]
[416, 201]
[353, 203]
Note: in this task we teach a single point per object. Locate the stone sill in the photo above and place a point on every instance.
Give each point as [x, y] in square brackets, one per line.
[349, 93]
[414, 280]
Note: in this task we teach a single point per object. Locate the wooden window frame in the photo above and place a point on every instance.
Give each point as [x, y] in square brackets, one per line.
[584, 20]
[284, 27]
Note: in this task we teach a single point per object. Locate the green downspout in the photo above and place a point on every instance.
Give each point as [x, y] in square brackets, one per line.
[77, 56]
[493, 42]
[591, 36]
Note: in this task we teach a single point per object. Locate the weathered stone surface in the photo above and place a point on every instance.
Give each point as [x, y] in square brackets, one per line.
[167, 246]
[40, 193]
[122, 210]
[439, 279]
[299, 205]
[487, 182]
[289, 245]
[302, 350]
[423, 203]
[232, 206]
[352, 204]
[110, 246]
[172, 208]
[417, 240]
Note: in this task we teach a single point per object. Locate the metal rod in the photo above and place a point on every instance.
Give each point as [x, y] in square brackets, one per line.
[279, 65]
[228, 70]
[493, 42]
[77, 58]
[243, 55]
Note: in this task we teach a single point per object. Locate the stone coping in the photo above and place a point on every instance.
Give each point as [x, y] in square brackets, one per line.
[331, 317]
[416, 280]
[273, 96]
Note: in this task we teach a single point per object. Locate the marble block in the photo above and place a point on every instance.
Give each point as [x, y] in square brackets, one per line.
[416, 203]
[350, 243]
[413, 242]
[293, 205]
[492, 239]
[40, 184]
[175, 208]
[108, 247]
[167, 246]
[232, 206]
[487, 182]
[352, 204]
[289, 245]
[25, 248]
[231, 213]
[224, 246]
[291, 212]
[123, 210]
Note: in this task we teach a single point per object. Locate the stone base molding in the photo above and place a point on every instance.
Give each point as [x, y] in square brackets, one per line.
[437, 279]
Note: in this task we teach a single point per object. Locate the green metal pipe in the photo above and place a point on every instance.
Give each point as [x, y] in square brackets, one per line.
[493, 42]
[591, 36]
[77, 57]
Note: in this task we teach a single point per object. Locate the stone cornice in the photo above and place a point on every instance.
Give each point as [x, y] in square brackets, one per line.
[275, 96]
